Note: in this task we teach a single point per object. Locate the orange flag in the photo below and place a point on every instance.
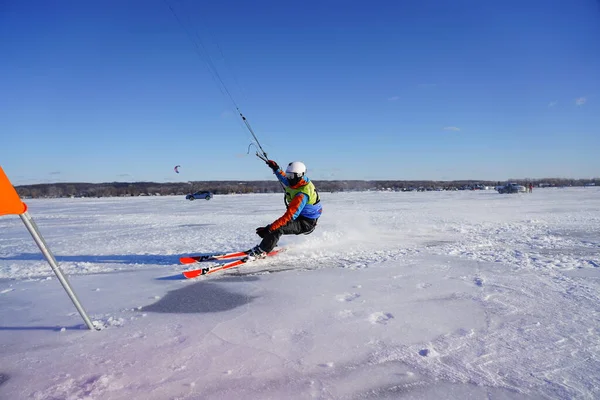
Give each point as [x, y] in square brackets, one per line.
[10, 202]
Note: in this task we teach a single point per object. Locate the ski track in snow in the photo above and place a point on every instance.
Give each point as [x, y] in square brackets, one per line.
[525, 259]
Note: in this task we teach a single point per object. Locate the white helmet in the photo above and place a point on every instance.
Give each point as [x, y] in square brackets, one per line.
[295, 171]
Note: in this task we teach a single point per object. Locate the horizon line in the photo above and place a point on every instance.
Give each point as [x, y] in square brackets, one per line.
[317, 180]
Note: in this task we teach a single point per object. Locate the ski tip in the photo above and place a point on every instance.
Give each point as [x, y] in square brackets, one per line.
[187, 260]
[277, 251]
[192, 274]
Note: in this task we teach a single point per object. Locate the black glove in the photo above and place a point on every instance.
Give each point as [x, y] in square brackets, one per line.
[262, 231]
[273, 165]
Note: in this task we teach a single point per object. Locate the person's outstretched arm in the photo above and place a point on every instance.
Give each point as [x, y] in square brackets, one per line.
[278, 172]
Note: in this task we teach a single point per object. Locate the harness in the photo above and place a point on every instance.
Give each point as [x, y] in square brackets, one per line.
[308, 189]
[313, 198]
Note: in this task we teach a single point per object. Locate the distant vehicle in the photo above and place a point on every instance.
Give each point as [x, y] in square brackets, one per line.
[511, 188]
[199, 195]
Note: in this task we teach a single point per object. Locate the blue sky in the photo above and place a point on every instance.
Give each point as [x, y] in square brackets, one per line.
[100, 91]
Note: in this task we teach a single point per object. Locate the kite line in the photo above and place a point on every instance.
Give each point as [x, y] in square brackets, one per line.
[205, 56]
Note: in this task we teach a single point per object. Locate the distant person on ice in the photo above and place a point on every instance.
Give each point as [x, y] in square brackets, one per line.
[303, 208]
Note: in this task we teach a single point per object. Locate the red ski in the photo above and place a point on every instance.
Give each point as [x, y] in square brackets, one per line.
[194, 273]
[212, 257]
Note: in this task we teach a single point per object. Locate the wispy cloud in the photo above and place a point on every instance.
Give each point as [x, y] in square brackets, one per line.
[394, 98]
[451, 128]
[55, 173]
[552, 104]
[581, 101]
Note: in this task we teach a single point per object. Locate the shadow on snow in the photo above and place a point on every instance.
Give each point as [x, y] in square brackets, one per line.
[44, 328]
[201, 297]
[3, 378]
[151, 259]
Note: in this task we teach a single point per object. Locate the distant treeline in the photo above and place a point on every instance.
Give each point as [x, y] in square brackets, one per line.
[123, 189]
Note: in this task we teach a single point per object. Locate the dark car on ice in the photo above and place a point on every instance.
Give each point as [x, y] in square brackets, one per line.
[511, 188]
[199, 195]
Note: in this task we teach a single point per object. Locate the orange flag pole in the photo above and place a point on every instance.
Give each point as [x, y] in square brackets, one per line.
[10, 203]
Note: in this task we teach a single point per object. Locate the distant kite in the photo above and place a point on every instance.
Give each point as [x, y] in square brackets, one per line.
[177, 168]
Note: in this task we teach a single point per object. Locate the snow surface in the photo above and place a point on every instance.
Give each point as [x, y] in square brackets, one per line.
[435, 295]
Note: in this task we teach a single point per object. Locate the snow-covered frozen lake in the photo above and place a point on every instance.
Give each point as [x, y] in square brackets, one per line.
[436, 295]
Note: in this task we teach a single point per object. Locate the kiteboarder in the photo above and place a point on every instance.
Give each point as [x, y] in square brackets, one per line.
[303, 208]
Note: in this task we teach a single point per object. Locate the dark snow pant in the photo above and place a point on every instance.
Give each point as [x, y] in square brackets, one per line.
[299, 226]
